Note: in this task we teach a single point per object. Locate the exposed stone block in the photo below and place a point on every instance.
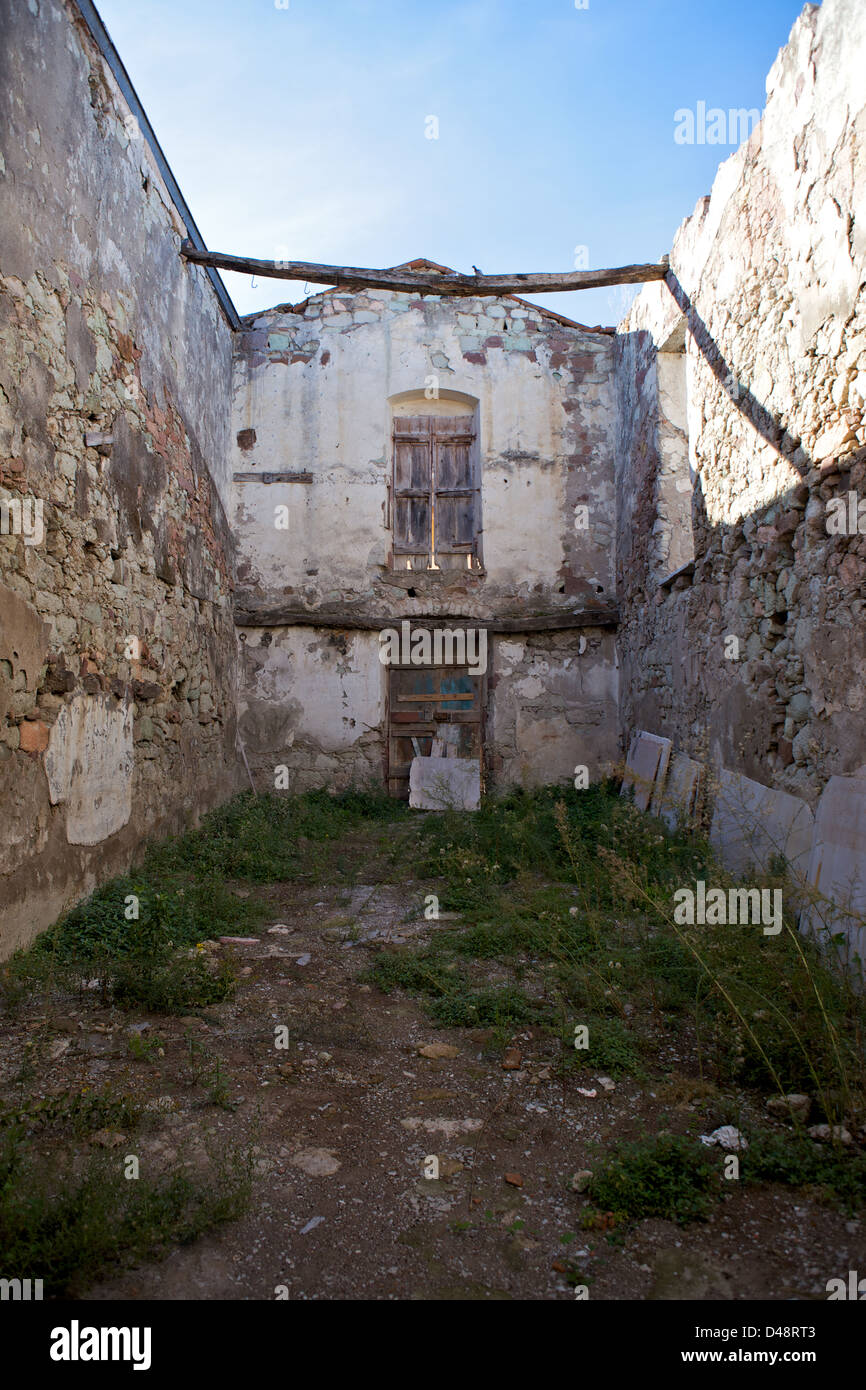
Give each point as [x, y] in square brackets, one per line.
[34, 736]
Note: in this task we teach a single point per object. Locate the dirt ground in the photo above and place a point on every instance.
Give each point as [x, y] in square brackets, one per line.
[345, 1117]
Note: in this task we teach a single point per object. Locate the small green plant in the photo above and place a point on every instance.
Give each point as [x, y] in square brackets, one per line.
[146, 1049]
[611, 1048]
[76, 1113]
[451, 999]
[155, 975]
[169, 908]
[795, 1160]
[72, 1227]
[218, 1087]
[206, 1069]
[267, 839]
[665, 1176]
[575, 1275]
[500, 1007]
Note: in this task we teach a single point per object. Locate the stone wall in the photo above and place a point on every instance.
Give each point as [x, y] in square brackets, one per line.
[117, 650]
[551, 696]
[756, 660]
[314, 391]
[314, 702]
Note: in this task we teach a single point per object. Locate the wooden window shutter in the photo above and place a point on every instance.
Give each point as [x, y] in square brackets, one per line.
[413, 500]
[456, 491]
[437, 493]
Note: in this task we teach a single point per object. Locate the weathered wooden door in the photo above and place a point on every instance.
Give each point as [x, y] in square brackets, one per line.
[425, 702]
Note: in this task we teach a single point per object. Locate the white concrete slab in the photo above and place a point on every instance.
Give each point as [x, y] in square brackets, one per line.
[439, 784]
[837, 870]
[675, 800]
[752, 823]
[646, 764]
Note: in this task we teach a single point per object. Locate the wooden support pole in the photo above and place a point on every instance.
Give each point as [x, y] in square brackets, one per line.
[427, 282]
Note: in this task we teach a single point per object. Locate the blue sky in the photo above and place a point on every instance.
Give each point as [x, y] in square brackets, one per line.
[300, 132]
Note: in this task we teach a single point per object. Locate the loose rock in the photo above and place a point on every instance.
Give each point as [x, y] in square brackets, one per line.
[795, 1105]
[437, 1049]
[319, 1163]
[830, 1134]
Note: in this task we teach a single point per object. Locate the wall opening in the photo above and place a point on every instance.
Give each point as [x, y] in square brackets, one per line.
[673, 531]
[432, 710]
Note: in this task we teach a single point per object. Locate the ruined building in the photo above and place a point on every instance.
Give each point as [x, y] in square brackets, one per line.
[454, 509]
[209, 522]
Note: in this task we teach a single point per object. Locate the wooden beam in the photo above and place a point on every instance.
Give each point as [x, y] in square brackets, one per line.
[427, 282]
[608, 616]
[288, 615]
[273, 477]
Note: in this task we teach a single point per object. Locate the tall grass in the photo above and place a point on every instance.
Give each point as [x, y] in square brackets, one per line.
[584, 882]
[136, 932]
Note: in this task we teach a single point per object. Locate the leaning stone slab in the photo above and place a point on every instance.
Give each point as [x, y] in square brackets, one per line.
[676, 799]
[646, 765]
[752, 824]
[89, 765]
[837, 870]
[440, 784]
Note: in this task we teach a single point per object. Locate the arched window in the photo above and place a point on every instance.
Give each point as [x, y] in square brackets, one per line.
[435, 482]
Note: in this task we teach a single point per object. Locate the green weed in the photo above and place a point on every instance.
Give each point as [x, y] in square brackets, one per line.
[798, 1161]
[71, 1228]
[666, 1176]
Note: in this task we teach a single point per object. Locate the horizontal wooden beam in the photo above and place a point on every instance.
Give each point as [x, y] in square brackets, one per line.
[608, 616]
[288, 615]
[272, 477]
[427, 282]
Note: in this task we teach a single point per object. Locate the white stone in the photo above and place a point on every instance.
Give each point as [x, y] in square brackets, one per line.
[318, 1163]
[438, 784]
[440, 1125]
[646, 765]
[837, 869]
[752, 823]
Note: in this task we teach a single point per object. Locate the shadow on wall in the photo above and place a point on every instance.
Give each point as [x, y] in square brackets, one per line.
[748, 405]
[753, 656]
[756, 831]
